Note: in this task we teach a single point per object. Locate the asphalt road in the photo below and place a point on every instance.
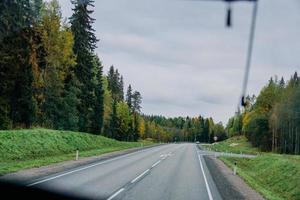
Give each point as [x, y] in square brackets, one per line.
[174, 171]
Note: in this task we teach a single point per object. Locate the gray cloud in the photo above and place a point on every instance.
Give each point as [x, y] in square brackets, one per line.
[181, 58]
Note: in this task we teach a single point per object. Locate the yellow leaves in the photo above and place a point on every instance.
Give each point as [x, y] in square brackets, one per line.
[246, 119]
[67, 48]
[142, 127]
[57, 41]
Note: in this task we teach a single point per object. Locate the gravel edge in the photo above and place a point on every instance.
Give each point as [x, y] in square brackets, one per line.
[231, 187]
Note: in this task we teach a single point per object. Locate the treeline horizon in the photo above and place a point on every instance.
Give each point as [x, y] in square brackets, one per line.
[189, 129]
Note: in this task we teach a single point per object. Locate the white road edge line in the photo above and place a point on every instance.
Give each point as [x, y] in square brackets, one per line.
[206, 183]
[83, 168]
[155, 164]
[116, 194]
[139, 176]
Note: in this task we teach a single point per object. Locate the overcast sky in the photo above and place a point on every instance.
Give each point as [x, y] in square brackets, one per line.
[184, 61]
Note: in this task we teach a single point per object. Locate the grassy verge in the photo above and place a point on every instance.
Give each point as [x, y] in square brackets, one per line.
[275, 176]
[23, 149]
[237, 144]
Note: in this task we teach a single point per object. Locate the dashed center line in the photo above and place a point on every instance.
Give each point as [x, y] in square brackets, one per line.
[116, 194]
[164, 156]
[139, 176]
[155, 163]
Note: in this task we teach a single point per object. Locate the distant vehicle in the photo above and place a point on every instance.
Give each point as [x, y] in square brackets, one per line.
[197, 142]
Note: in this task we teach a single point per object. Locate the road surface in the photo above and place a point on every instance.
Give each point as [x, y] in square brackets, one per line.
[173, 171]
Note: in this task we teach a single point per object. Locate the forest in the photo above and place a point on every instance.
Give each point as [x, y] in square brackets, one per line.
[271, 121]
[52, 77]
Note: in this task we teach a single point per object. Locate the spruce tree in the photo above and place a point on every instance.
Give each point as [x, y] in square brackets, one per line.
[97, 120]
[23, 105]
[18, 47]
[129, 97]
[206, 130]
[81, 25]
[37, 9]
[115, 84]
[136, 102]
[15, 16]
[70, 115]
[113, 125]
[136, 108]
[282, 83]
[110, 78]
[84, 45]
[129, 103]
[121, 89]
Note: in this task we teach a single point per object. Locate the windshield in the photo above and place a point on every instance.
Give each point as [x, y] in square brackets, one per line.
[162, 99]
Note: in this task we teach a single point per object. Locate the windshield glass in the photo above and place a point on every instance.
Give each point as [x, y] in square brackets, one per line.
[162, 99]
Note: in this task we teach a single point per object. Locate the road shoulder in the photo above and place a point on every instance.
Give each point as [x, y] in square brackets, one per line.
[28, 175]
[230, 186]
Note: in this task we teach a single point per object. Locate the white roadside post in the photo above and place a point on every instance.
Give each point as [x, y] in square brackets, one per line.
[77, 154]
[234, 169]
[215, 139]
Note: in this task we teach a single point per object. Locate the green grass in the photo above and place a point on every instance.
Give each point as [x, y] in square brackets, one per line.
[275, 176]
[238, 144]
[28, 148]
